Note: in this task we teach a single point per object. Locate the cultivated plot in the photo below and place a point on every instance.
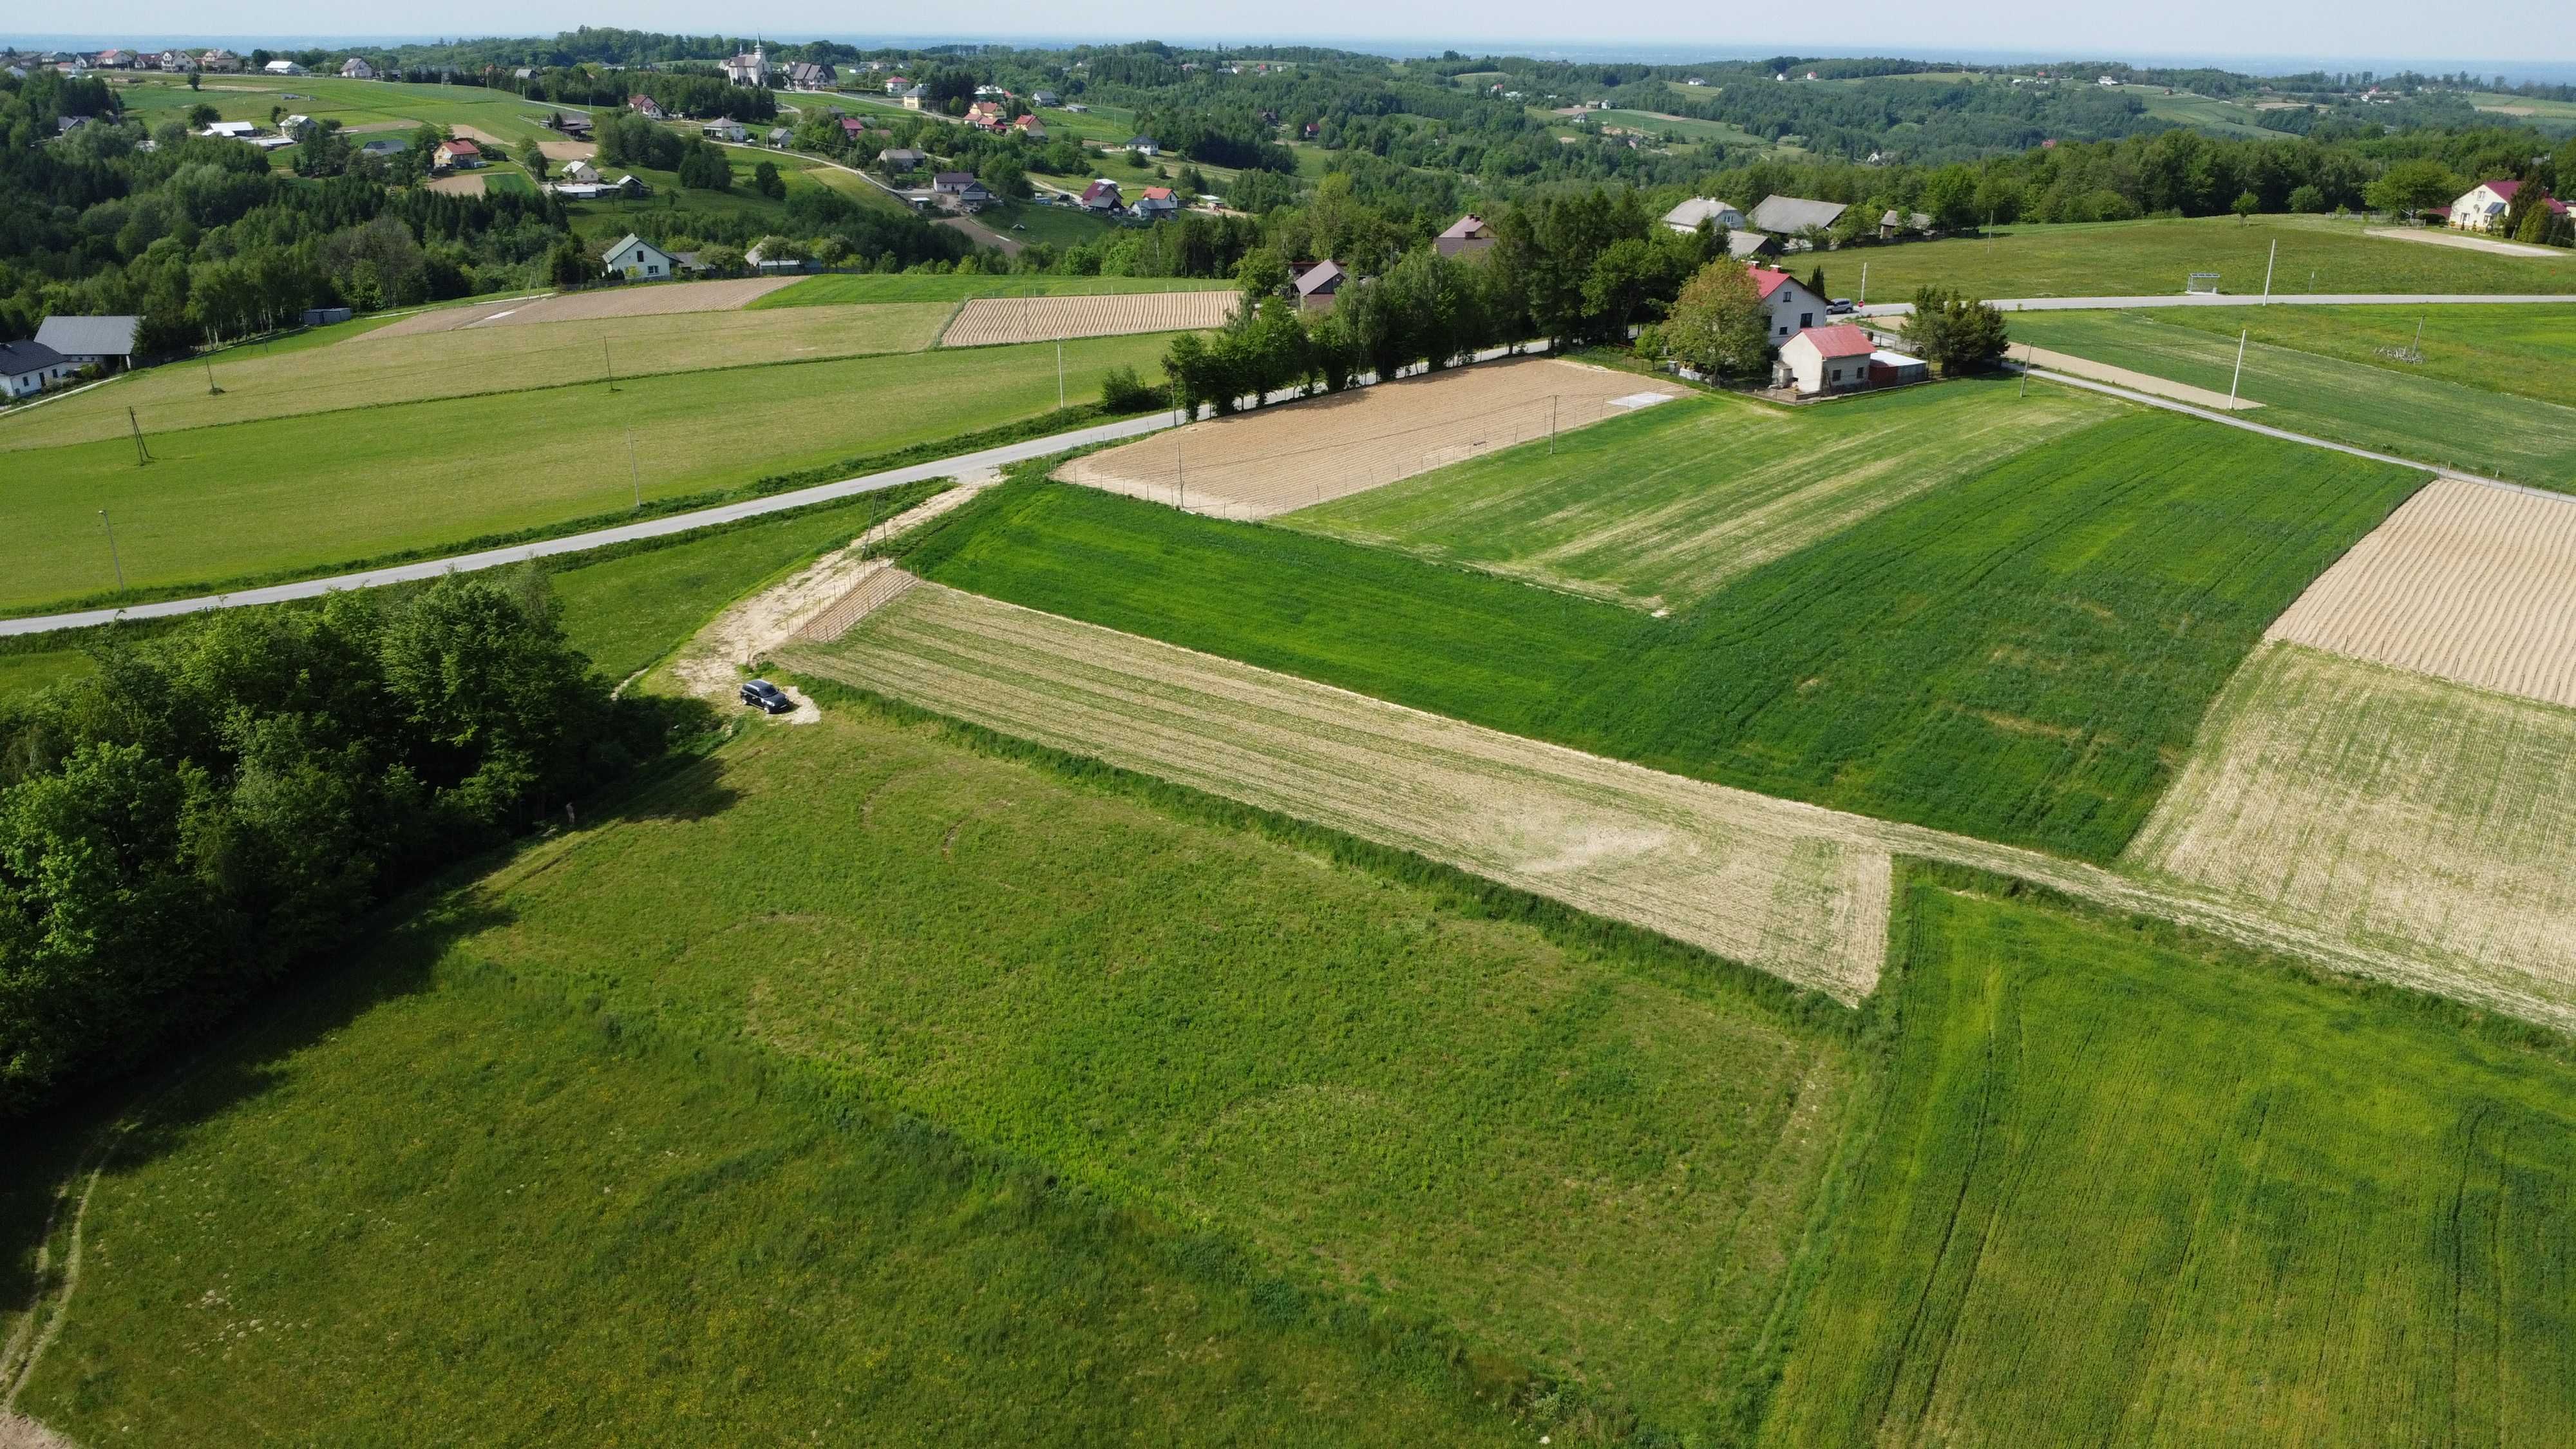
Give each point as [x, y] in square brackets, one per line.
[1661, 508]
[2381, 806]
[389, 366]
[630, 301]
[1791, 889]
[1268, 461]
[2466, 582]
[989, 320]
[2389, 407]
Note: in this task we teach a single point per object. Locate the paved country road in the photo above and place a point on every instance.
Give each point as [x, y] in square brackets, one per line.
[964, 464]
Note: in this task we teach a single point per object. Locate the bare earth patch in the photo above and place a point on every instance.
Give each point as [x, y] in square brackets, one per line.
[637, 301]
[988, 321]
[1274, 459]
[1793, 889]
[569, 151]
[469, 184]
[2199, 397]
[17, 1431]
[2386, 807]
[2466, 241]
[2464, 582]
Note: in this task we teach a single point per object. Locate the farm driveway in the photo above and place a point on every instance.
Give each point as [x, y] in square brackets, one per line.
[982, 234]
[2467, 243]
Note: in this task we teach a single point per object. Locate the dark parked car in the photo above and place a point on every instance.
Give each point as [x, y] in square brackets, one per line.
[1839, 306]
[760, 694]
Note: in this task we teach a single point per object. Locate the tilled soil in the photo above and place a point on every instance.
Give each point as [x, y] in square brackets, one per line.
[988, 321]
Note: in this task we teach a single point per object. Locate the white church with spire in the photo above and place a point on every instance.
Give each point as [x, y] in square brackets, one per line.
[751, 69]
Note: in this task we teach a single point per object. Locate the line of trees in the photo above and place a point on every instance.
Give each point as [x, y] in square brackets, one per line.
[216, 806]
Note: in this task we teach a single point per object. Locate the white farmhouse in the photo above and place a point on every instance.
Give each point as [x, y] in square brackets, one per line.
[2483, 206]
[1687, 216]
[1791, 307]
[638, 260]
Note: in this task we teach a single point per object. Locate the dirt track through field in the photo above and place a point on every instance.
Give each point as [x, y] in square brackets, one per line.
[2493, 245]
[1274, 459]
[2464, 582]
[989, 321]
[2385, 806]
[636, 301]
[1794, 889]
[2146, 382]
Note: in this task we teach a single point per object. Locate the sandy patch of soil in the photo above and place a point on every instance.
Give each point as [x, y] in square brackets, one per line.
[2464, 582]
[2199, 397]
[987, 321]
[1793, 889]
[1267, 462]
[569, 150]
[2384, 806]
[639, 301]
[2467, 242]
[17, 1431]
[469, 184]
[827, 596]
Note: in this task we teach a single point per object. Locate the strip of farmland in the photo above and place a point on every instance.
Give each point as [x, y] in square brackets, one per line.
[1794, 889]
[2467, 583]
[1268, 461]
[632, 301]
[988, 321]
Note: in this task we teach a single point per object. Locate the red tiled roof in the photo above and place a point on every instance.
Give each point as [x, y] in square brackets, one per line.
[1766, 281]
[460, 148]
[1839, 341]
[1158, 193]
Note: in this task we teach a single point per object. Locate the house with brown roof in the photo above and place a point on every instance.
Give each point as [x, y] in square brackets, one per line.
[645, 106]
[1317, 284]
[1466, 237]
[1102, 196]
[456, 155]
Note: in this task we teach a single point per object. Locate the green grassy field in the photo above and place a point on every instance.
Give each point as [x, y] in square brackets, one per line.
[303, 494]
[1660, 507]
[2022, 655]
[1061, 226]
[2387, 407]
[2154, 258]
[352, 103]
[2528, 107]
[1686, 128]
[2131, 1188]
[2519, 348]
[855, 289]
[364, 372]
[1295, 1104]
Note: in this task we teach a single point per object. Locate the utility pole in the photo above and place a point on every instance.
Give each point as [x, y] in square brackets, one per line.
[2240, 371]
[1864, 284]
[142, 454]
[2268, 266]
[633, 473]
[113, 561]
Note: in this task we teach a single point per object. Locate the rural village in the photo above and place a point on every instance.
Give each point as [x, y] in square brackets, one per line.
[994, 742]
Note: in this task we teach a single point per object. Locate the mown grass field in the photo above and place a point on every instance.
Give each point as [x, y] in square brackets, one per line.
[1660, 507]
[861, 288]
[2155, 258]
[155, 98]
[1293, 1105]
[307, 493]
[364, 372]
[2527, 350]
[2132, 1188]
[2022, 655]
[2387, 407]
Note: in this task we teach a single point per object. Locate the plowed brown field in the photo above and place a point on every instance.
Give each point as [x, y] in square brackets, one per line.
[643, 301]
[989, 321]
[1274, 459]
[2464, 582]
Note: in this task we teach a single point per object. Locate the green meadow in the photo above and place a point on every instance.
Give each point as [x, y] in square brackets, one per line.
[2389, 407]
[2157, 258]
[864, 288]
[1193, 1123]
[2128, 1187]
[382, 106]
[2525, 349]
[2022, 654]
[304, 494]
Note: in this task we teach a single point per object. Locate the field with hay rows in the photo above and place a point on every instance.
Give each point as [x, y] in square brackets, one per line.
[2022, 655]
[849, 289]
[1662, 508]
[2130, 1187]
[987, 321]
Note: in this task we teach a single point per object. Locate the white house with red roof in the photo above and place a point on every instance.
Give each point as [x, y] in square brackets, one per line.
[1155, 202]
[1101, 195]
[1842, 358]
[1790, 306]
[2483, 207]
[645, 106]
[454, 154]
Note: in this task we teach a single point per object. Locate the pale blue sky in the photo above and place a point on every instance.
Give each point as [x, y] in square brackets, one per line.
[2374, 30]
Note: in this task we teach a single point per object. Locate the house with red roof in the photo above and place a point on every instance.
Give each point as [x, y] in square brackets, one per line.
[454, 155]
[1155, 203]
[2483, 206]
[1842, 358]
[1791, 307]
[986, 114]
[645, 106]
[1102, 196]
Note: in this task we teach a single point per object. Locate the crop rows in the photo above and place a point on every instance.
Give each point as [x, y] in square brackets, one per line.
[990, 320]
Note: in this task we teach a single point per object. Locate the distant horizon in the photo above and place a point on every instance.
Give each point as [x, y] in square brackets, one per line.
[1665, 53]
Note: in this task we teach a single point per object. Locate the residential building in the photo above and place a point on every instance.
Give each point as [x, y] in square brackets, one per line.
[1789, 216]
[962, 190]
[1894, 225]
[1466, 237]
[356, 68]
[647, 107]
[383, 146]
[223, 60]
[1154, 203]
[903, 158]
[1687, 216]
[896, 85]
[580, 173]
[723, 131]
[28, 368]
[1744, 246]
[1317, 284]
[1787, 302]
[1824, 359]
[780, 136]
[1042, 98]
[811, 75]
[91, 341]
[985, 114]
[916, 98]
[1102, 196]
[638, 260]
[458, 155]
[235, 130]
[1144, 146]
[284, 67]
[764, 262]
[1031, 127]
[2483, 206]
[113, 59]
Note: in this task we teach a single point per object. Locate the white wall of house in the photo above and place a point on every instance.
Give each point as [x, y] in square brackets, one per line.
[1793, 310]
[2479, 210]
